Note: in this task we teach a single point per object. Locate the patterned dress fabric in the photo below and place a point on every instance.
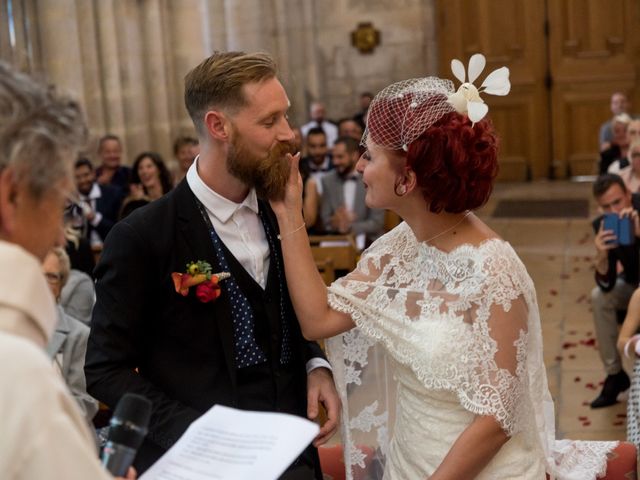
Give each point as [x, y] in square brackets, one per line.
[441, 338]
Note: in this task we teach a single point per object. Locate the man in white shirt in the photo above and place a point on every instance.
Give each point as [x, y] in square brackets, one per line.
[231, 339]
[318, 114]
[343, 208]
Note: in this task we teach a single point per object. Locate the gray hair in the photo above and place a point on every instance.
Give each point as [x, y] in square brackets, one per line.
[65, 264]
[40, 131]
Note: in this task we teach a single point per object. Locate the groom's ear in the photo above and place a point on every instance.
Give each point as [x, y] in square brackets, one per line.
[218, 125]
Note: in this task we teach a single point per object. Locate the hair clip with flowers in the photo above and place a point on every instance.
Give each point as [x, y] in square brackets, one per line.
[199, 275]
[467, 98]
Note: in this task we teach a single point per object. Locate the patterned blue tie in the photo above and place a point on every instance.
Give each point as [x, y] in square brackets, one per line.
[247, 352]
[285, 352]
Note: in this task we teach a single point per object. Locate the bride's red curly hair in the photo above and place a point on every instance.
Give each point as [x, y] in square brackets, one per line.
[455, 163]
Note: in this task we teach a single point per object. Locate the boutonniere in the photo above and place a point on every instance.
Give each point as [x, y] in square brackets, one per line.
[199, 275]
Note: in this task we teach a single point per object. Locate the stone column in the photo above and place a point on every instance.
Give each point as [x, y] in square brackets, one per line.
[153, 58]
[249, 24]
[191, 42]
[91, 72]
[109, 64]
[59, 38]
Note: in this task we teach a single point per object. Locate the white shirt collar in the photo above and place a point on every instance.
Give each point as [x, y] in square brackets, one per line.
[217, 205]
[94, 193]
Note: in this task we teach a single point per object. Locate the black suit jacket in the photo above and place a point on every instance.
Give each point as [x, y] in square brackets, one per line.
[147, 339]
[109, 207]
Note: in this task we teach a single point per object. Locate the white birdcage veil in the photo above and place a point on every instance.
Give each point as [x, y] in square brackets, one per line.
[401, 112]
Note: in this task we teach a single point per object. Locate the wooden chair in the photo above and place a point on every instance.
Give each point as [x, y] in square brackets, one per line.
[341, 249]
[325, 267]
[391, 220]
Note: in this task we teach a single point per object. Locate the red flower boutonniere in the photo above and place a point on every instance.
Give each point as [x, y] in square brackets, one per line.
[199, 275]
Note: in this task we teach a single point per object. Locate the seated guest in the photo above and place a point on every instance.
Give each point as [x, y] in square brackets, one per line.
[110, 171]
[365, 101]
[44, 434]
[78, 295]
[77, 247]
[619, 104]
[628, 345]
[68, 345]
[99, 204]
[343, 209]
[318, 160]
[150, 180]
[632, 134]
[614, 285]
[618, 145]
[312, 167]
[348, 127]
[631, 173]
[318, 113]
[185, 151]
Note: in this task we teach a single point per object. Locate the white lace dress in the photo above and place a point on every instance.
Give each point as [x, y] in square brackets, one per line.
[440, 338]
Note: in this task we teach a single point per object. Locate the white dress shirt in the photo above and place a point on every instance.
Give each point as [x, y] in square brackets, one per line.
[89, 202]
[237, 224]
[240, 229]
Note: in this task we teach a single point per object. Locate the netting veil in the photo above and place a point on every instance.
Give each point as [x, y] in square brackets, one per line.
[401, 112]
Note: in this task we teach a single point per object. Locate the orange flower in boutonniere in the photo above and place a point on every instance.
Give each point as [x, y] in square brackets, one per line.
[199, 275]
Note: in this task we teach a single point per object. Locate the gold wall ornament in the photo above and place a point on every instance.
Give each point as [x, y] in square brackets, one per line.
[365, 37]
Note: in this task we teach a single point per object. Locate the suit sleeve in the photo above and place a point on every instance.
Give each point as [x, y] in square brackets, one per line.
[124, 279]
[374, 223]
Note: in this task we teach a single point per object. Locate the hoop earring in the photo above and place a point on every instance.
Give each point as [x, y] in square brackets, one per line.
[400, 189]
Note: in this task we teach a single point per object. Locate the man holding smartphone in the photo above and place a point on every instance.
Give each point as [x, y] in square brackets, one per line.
[616, 274]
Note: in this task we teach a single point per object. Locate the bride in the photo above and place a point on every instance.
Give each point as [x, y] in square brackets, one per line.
[441, 371]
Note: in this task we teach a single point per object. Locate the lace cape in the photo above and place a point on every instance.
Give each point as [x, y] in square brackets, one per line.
[476, 307]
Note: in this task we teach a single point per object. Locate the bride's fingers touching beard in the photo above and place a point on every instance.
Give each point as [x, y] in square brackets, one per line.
[291, 199]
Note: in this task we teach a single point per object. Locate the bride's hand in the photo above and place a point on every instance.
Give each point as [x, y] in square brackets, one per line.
[291, 204]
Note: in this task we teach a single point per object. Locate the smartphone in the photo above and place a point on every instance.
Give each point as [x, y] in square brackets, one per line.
[625, 231]
[621, 227]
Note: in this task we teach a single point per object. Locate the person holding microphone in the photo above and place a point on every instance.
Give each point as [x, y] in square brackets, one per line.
[44, 434]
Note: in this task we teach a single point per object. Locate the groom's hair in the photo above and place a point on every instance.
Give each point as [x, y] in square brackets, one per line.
[217, 82]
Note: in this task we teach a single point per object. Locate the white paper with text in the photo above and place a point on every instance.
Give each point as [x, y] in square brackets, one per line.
[226, 443]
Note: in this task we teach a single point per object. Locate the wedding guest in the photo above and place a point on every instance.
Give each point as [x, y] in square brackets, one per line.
[44, 435]
[110, 171]
[184, 150]
[150, 180]
[629, 346]
[68, 344]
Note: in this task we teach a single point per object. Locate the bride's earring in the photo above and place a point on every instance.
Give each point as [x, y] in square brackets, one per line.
[400, 189]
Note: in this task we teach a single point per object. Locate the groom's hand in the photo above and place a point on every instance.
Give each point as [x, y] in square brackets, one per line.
[321, 390]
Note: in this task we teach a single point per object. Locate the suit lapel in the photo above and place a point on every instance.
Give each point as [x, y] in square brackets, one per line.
[196, 235]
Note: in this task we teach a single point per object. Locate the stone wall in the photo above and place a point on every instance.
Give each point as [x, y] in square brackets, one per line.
[125, 60]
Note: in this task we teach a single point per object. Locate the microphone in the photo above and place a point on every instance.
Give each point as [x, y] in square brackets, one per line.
[127, 430]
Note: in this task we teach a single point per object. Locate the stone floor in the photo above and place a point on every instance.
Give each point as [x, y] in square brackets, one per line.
[558, 254]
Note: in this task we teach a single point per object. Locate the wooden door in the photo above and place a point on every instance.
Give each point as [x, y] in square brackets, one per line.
[593, 52]
[566, 58]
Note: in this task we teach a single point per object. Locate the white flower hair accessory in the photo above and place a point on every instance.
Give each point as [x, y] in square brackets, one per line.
[467, 99]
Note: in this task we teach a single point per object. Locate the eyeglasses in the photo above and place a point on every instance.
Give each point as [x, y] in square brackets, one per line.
[53, 278]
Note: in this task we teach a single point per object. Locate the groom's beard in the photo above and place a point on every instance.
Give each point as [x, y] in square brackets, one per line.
[268, 175]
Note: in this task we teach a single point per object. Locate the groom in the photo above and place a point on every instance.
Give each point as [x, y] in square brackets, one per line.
[244, 348]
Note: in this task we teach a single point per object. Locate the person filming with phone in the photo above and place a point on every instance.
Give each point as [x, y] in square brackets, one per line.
[616, 273]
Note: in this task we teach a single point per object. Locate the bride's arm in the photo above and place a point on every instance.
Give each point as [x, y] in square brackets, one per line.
[472, 451]
[306, 288]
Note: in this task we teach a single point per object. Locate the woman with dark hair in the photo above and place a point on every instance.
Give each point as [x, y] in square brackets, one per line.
[150, 179]
[441, 301]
